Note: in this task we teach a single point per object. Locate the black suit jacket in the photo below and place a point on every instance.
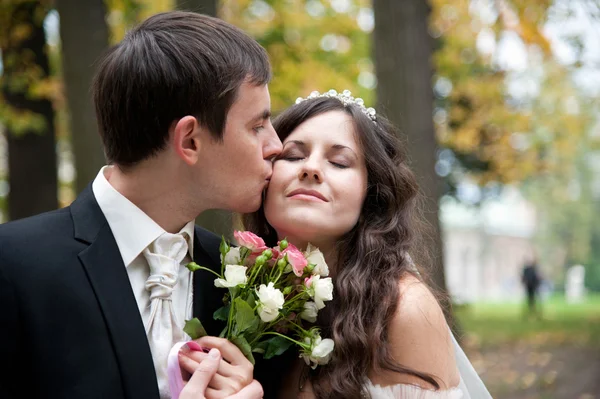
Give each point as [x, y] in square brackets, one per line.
[69, 323]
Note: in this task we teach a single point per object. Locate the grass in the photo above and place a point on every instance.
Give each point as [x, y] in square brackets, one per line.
[561, 323]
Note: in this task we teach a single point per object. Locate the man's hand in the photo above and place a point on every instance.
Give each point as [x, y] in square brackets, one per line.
[202, 375]
[234, 371]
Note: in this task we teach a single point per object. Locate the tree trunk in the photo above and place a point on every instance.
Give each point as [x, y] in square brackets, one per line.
[208, 7]
[403, 50]
[32, 151]
[84, 37]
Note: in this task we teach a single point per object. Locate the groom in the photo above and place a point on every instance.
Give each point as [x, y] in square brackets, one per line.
[93, 295]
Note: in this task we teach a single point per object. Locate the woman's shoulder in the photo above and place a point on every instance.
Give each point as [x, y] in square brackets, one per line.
[417, 304]
[419, 336]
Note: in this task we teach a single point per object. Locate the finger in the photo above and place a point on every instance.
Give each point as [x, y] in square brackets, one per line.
[229, 351]
[195, 358]
[252, 391]
[204, 373]
[188, 364]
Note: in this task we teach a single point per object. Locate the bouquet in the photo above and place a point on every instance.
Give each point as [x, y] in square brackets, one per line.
[271, 294]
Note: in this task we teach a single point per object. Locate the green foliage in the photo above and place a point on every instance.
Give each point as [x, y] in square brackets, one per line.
[194, 329]
[245, 319]
[21, 75]
[276, 346]
[561, 323]
[293, 38]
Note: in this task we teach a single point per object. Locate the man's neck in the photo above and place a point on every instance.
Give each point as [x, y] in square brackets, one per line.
[156, 192]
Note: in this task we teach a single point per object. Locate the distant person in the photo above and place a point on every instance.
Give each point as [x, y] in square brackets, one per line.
[531, 281]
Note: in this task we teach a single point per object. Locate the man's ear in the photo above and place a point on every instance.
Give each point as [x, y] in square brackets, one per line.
[187, 139]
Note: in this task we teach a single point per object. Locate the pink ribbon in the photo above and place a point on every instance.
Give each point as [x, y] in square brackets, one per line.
[173, 371]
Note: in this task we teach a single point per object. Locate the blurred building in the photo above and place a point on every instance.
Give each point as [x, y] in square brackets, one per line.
[485, 246]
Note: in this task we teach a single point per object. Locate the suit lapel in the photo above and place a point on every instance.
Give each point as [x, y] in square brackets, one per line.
[108, 277]
[207, 297]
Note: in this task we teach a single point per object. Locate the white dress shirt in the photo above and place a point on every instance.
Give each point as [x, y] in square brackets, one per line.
[134, 231]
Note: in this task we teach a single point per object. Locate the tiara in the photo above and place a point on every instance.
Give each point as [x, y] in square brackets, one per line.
[346, 98]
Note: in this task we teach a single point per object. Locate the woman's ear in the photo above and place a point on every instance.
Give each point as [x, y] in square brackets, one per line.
[187, 134]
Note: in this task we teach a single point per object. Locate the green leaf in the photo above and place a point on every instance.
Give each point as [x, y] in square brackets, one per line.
[223, 332]
[276, 346]
[244, 315]
[194, 329]
[261, 347]
[234, 291]
[222, 313]
[253, 326]
[251, 300]
[192, 266]
[244, 346]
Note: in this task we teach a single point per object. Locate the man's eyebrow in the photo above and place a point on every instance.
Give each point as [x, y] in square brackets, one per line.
[264, 115]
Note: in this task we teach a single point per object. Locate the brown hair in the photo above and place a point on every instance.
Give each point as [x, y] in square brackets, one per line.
[372, 257]
[172, 65]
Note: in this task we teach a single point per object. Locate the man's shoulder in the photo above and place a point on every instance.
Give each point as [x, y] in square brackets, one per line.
[44, 223]
[34, 238]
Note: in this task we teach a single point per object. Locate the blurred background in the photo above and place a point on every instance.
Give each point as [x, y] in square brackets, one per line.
[497, 101]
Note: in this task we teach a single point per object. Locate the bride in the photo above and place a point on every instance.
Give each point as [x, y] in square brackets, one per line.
[342, 183]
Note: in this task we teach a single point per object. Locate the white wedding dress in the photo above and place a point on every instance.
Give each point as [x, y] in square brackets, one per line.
[470, 386]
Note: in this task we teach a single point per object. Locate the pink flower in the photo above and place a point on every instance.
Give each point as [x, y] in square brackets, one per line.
[296, 259]
[250, 240]
[276, 253]
[308, 281]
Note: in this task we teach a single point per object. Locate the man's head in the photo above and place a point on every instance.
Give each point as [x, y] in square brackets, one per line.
[171, 85]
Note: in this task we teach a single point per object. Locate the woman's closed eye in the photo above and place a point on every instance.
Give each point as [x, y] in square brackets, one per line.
[291, 156]
[339, 165]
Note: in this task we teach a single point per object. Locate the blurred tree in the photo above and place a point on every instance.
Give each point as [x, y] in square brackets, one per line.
[84, 38]
[482, 108]
[404, 95]
[26, 109]
[312, 44]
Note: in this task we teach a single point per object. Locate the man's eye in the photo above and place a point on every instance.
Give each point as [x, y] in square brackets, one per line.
[257, 129]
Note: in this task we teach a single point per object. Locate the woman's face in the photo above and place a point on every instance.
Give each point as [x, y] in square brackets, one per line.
[319, 181]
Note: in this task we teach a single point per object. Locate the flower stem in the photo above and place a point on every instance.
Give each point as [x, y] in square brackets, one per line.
[230, 317]
[303, 345]
[209, 270]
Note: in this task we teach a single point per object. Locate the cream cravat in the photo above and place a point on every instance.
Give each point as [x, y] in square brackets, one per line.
[164, 257]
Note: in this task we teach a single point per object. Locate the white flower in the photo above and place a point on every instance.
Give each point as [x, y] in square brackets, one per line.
[320, 351]
[314, 256]
[320, 290]
[270, 301]
[310, 312]
[234, 275]
[233, 257]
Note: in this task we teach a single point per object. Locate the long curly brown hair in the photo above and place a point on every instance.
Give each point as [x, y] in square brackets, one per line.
[371, 258]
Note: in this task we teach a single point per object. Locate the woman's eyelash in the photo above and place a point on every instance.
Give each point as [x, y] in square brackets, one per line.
[339, 165]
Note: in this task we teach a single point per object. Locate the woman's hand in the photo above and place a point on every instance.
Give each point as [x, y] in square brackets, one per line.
[207, 383]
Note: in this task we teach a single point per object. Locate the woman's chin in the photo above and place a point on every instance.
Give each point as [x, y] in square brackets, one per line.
[298, 229]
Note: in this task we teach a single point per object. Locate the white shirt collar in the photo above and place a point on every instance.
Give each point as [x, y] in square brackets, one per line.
[132, 228]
